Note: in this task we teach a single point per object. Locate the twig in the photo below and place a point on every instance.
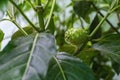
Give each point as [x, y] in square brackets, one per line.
[106, 19]
[14, 21]
[39, 9]
[50, 15]
[24, 16]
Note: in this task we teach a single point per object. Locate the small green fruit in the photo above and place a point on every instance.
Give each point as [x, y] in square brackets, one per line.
[76, 36]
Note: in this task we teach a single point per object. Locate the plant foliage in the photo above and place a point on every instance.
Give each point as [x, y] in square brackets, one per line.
[40, 51]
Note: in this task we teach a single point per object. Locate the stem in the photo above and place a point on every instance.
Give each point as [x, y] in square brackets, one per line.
[5, 20]
[114, 8]
[24, 16]
[51, 12]
[109, 12]
[106, 19]
[97, 27]
[118, 16]
[30, 3]
[18, 26]
[40, 15]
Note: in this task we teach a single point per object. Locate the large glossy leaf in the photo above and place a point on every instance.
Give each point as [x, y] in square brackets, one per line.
[27, 58]
[66, 67]
[110, 45]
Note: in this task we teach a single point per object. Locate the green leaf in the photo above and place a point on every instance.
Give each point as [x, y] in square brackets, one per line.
[110, 45]
[27, 58]
[93, 25]
[1, 35]
[60, 37]
[87, 55]
[18, 33]
[82, 8]
[67, 48]
[51, 26]
[100, 66]
[43, 1]
[116, 67]
[66, 67]
[3, 5]
[48, 8]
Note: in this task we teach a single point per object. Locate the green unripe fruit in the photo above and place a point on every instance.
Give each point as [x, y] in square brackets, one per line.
[76, 36]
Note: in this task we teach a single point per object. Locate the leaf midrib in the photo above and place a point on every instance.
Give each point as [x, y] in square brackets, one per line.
[30, 57]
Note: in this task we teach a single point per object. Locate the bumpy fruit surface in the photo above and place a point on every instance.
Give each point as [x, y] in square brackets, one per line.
[76, 36]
